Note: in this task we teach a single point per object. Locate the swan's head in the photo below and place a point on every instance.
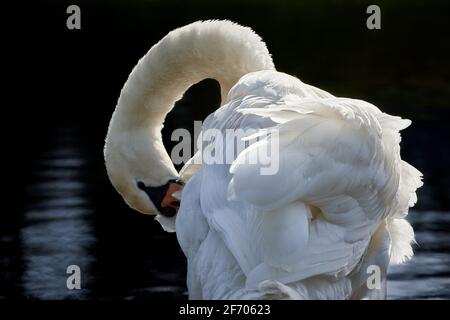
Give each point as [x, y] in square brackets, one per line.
[141, 170]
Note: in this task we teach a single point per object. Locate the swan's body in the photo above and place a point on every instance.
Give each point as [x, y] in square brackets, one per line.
[335, 207]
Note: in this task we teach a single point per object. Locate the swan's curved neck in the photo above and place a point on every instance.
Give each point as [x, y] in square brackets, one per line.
[219, 50]
[160, 79]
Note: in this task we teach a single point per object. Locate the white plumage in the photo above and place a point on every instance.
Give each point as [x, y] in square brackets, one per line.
[336, 206]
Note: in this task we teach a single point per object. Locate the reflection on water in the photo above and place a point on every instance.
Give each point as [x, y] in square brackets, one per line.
[427, 275]
[72, 218]
[57, 230]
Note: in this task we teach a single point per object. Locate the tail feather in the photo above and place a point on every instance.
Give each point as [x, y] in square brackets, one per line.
[402, 238]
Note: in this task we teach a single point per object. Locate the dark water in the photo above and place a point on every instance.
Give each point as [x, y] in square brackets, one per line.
[73, 216]
[427, 275]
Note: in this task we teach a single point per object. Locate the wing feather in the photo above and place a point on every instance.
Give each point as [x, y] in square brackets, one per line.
[339, 179]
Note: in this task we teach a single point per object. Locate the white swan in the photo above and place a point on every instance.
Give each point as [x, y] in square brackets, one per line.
[313, 230]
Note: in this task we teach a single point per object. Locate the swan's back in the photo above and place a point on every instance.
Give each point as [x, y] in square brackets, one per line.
[335, 206]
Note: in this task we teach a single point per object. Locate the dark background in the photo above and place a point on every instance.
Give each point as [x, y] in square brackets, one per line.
[62, 86]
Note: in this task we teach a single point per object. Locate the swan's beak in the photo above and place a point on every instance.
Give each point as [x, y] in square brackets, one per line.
[169, 201]
[166, 197]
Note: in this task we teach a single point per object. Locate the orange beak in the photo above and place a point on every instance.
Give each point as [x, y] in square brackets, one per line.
[169, 200]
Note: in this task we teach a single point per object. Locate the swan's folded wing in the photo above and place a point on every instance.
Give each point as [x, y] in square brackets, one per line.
[332, 158]
[326, 148]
